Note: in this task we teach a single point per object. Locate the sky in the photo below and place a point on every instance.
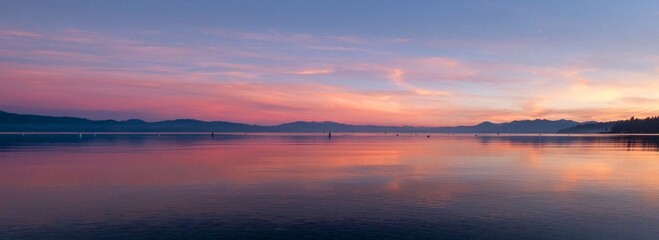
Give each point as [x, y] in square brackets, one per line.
[422, 63]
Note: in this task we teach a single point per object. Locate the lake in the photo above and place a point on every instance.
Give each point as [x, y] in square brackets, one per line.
[308, 186]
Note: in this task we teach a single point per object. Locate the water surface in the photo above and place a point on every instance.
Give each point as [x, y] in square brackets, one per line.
[306, 186]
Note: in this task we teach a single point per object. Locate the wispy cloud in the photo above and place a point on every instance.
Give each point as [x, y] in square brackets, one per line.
[17, 33]
[283, 77]
[314, 72]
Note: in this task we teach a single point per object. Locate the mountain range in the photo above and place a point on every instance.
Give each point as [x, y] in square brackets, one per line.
[12, 122]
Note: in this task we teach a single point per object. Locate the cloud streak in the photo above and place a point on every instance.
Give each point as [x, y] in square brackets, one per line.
[273, 77]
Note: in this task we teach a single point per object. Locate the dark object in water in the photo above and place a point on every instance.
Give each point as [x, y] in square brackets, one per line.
[428, 136]
[329, 135]
[212, 134]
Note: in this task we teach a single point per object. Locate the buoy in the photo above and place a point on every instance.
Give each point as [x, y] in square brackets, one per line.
[329, 135]
[212, 134]
[428, 136]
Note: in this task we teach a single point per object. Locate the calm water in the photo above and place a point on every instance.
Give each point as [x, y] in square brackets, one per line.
[305, 186]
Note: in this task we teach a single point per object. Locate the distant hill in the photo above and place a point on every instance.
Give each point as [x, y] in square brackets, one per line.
[521, 126]
[533, 126]
[592, 127]
[12, 122]
[632, 125]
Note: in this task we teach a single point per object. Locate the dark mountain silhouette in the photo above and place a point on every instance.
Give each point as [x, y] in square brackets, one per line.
[637, 125]
[11, 122]
[590, 127]
[632, 125]
[532, 126]
[521, 126]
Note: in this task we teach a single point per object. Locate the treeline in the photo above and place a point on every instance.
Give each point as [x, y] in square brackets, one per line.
[637, 125]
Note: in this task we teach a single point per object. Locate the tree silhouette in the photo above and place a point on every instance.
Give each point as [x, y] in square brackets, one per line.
[637, 125]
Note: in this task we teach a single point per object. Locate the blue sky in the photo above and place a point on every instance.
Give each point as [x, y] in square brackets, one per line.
[384, 62]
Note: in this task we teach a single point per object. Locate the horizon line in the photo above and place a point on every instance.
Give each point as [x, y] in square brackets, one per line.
[316, 121]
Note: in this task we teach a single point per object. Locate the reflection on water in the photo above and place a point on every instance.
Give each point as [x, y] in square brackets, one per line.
[353, 186]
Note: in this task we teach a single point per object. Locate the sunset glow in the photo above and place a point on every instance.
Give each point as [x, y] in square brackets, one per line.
[435, 64]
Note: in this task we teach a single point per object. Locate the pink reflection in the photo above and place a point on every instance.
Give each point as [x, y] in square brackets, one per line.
[543, 165]
[154, 173]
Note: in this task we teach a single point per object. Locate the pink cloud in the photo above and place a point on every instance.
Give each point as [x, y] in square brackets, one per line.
[398, 77]
[438, 68]
[17, 33]
[87, 71]
[314, 72]
[178, 97]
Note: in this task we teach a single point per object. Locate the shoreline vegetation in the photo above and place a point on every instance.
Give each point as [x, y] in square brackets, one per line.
[637, 125]
[12, 122]
[632, 125]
